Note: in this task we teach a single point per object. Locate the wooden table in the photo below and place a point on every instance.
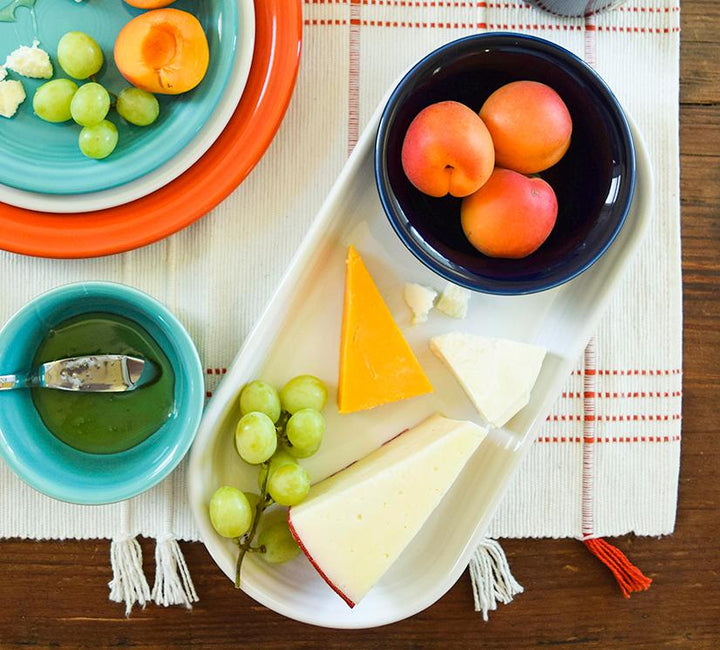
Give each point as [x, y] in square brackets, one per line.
[56, 592]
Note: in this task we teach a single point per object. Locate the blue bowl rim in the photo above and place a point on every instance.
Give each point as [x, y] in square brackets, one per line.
[382, 182]
[195, 401]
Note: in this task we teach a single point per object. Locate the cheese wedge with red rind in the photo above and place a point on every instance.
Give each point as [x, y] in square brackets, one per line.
[377, 365]
[354, 525]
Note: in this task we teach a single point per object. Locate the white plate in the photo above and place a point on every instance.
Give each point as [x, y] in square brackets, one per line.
[300, 333]
[74, 203]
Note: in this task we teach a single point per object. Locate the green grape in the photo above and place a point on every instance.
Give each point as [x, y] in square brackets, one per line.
[139, 107]
[99, 140]
[279, 458]
[288, 485]
[230, 512]
[262, 397]
[304, 432]
[303, 392]
[90, 104]
[79, 55]
[51, 101]
[278, 543]
[255, 438]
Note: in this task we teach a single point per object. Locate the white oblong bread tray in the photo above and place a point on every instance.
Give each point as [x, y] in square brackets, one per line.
[299, 333]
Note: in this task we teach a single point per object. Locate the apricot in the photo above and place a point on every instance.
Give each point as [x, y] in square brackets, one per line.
[510, 216]
[149, 4]
[530, 126]
[447, 150]
[163, 51]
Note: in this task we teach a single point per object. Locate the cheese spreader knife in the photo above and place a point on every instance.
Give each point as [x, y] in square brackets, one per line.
[101, 373]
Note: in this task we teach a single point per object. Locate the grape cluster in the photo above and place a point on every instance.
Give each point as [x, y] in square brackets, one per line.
[275, 430]
[60, 100]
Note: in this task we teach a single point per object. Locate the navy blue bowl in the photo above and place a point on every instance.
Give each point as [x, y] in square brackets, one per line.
[594, 182]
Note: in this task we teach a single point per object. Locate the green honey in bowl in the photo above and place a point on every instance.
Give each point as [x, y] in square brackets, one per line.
[104, 423]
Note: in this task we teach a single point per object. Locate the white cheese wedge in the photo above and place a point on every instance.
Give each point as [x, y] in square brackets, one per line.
[12, 94]
[420, 299]
[454, 301]
[30, 62]
[353, 525]
[497, 375]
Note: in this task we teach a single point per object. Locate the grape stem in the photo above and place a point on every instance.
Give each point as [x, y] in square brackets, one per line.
[245, 544]
[280, 429]
[281, 423]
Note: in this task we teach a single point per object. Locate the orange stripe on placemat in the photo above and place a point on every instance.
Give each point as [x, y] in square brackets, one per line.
[649, 10]
[628, 576]
[590, 45]
[354, 76]
[635, 417]
[589, 429]
[631, 372]
[409, 24]
[461, 4]
[325, 21]
[424, 4]
[623, 395]
[607, 439]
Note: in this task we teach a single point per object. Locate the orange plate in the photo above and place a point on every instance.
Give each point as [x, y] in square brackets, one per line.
[278, 37]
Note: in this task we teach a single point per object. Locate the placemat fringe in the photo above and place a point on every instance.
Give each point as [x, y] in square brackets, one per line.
[492, 580]
[173, 584]
[128, 584]
[628, 576]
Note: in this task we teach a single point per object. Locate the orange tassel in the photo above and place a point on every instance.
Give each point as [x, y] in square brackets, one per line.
[629, 577]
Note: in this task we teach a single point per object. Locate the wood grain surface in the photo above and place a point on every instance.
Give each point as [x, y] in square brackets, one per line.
[55, 593]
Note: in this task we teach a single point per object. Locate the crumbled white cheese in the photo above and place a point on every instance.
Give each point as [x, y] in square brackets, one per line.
[12, 94]
[420, 299]
[454, 301]
[32, 62]
[3, 72]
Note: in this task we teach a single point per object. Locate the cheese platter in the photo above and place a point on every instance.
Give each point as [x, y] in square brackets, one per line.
[301, 331]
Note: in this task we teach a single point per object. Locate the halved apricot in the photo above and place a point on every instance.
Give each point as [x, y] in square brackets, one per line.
[149, 4]
[163, 51]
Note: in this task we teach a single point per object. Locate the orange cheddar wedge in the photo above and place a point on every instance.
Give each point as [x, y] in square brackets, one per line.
[377, 366]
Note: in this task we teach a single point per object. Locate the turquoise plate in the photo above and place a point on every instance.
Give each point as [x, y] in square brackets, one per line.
[41, 157]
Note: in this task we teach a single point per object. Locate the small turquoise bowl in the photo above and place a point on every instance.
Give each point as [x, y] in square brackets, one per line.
[58, 470]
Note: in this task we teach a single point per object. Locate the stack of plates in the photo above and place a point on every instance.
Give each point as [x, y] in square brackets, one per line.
[54, 202]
